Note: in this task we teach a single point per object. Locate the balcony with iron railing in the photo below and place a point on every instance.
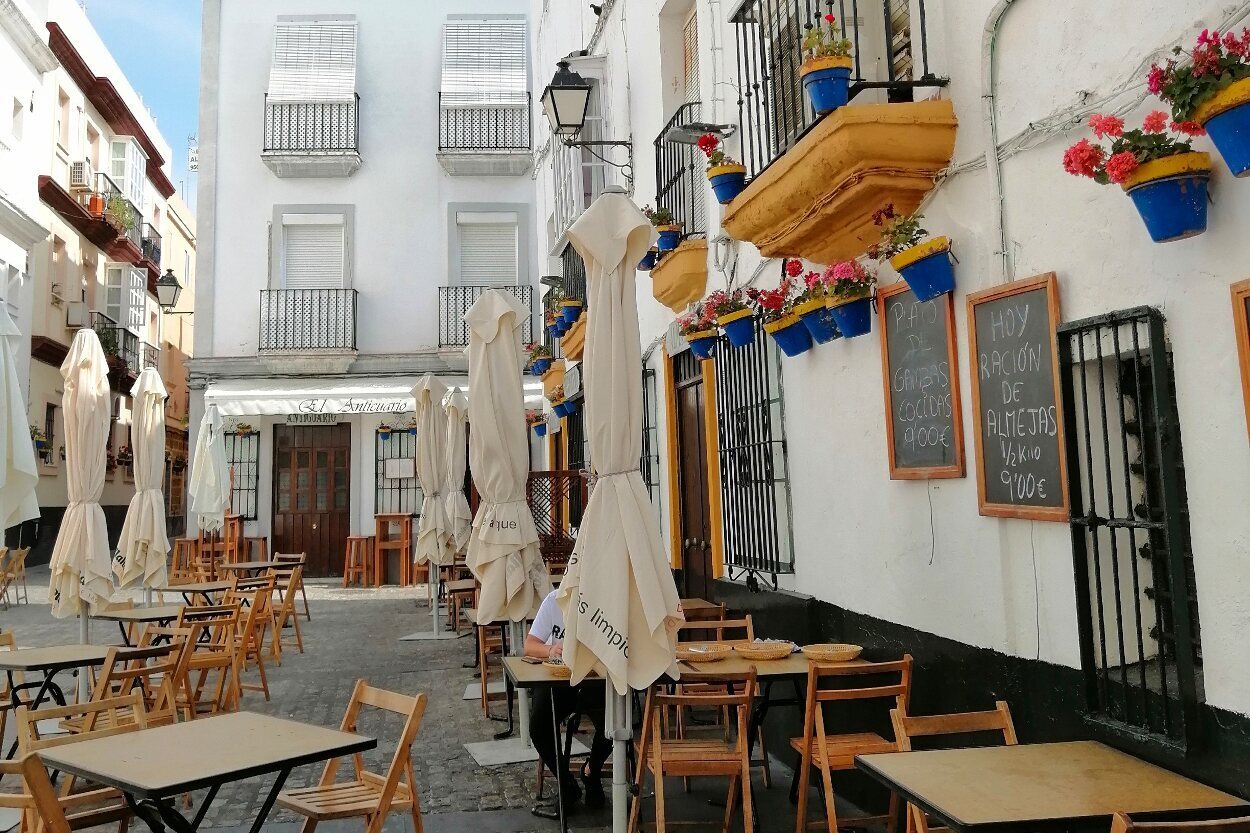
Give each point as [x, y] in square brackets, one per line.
[109, 203]
[294, 321]
[482, 138]
[312, 138]
[454, 302]
[150, 244]
[680, 174]
[125, 352]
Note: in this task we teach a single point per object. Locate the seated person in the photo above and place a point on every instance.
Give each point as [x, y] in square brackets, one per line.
[546, 640]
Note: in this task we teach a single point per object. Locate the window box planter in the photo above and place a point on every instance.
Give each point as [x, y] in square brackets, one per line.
[553, 378]
[927, 268]
[852, 315]
[670, 236]
[570, 311]
[727, 181]
[574, 342]
[818, 320]
[827, 82]
[702, 344]
[790, 334]
[817, 200]
[648, 260]
[678, 280]
[1171, 195]
[738, 326]
[1226, 117]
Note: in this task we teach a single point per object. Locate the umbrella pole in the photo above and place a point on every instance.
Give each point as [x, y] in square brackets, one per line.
[620, 723]
[523, 700]
[436, 579]
[83, 639]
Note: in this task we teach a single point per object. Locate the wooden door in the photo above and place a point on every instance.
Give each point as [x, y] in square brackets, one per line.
[312, 494]
[696, 515]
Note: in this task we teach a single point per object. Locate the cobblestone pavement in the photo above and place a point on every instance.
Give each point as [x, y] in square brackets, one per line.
[354, 634]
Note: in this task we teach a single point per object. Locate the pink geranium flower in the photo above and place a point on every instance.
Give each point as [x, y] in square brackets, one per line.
[1106, 125]
[1120, 166]
[1155, 122]
[1083, 158]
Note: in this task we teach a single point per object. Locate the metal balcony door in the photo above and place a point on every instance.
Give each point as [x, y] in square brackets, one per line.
[696, 511]
[312, 494]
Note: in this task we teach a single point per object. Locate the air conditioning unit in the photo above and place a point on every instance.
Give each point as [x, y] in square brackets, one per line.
[80, 176]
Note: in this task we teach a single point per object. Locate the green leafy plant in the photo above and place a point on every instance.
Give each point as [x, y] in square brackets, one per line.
[108, 341]
[825, 40]
[899, 232]
[774, 304]
[1129, 149]
[120, 213]
[658, 216]
[1213, 64]
[713, 148]
[37, 435]
[698, 319]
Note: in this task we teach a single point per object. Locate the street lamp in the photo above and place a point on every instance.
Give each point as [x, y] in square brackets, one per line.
[565, 103]
[168, 289]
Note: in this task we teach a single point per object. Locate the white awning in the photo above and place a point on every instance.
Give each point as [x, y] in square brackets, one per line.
[343, 397]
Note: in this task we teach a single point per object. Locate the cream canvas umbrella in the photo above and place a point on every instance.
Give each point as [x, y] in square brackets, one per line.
[81, 574]
[18, 474]
[459, 516]
[619, 602]
[143, 545]
[209, 489]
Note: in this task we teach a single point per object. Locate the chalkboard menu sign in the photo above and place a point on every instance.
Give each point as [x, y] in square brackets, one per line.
[1241, 324]
[920, 374]
[1022, 471]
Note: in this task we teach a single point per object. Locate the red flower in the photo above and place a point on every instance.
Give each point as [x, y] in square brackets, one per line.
[1209, 38]
[829, 18]
[811, 279]
[1084, 158]
[1155, 81]
[708, 143]
[1189, 128]
[794, 268]
[1155, 122]
[1121, 166]
[1207, 60]
[1106, 125]
[882, 214]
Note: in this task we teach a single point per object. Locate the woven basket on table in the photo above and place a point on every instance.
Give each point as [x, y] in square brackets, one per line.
[558, 669]
[761, 651]
[705, 652]
[831, 652]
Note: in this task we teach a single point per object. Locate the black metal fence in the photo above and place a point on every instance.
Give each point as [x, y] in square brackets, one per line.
[118, 342]
[307, 319]
[649, 465]
[151, 356]
[681, 174]
[772, 110]
[393, 494]
[150, 243]
[312, 126]
[1137, 613]
[574, 271]
[454, 302]
[117, 210]
[243, 457]
[755, 488]
[577, 457]
[468, 127]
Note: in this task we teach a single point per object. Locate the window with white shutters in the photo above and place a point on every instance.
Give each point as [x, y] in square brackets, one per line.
[128, 168]
[690, 56]
[314, 60]
[488, 248]
[125, 296]
[484, 62]
[313, 253]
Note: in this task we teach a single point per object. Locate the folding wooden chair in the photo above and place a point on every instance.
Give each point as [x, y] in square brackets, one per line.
[255, 595]
[180, 677]
[301, 559]
[5, 578]
[907, 728]
[1121, 823]
[369, 796]
[490, 641]
[152, 670]
[287, 581]
[216, 652]
[836, 753]
[38, 796]
[17, 572]
[687, 758]
[8, 642]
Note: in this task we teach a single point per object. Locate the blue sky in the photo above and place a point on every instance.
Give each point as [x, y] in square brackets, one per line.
[157, 44]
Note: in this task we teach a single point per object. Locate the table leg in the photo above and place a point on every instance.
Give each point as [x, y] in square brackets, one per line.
[269, 801]
[125, 636]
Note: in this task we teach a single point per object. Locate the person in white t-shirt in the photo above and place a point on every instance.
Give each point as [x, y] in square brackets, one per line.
[545, 640]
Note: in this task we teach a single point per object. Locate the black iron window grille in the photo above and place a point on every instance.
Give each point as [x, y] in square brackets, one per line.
[680, 175]
[312, 126]
[574, 270]
[755, 478]
[772, 110]
[649, 465]
[552, 343]
[577, 456]
[1137, 611]
[243, 460]
[454, 302]
[118, 343]
[476, 126]
[307, 319]
[395, 495]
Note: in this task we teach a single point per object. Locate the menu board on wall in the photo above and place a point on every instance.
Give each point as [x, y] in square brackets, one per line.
[1241, 324]
[1021, 468]
[920, 376]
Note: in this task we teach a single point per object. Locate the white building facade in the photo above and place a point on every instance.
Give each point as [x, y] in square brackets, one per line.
[772, 473]
[364, 176]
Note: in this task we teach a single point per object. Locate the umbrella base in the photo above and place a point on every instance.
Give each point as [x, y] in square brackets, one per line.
[474, 692]
[511, 751]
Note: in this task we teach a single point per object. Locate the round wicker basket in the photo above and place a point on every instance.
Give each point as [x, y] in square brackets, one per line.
[705, 652]
[760, 651]
[558, 669]
[831, 652]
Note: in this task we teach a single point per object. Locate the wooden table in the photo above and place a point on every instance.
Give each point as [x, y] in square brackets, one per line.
[154, 766]
[456, 590]
[252, 568]
[162, 615]
[205, 589]
[1043, 786]
[49, 662]
[696, 609]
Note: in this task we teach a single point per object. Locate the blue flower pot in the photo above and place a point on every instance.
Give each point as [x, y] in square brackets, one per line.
[554, 330]
[702, 348]
[1230, 131]
[384, 435]
[740, 331]
[570, 408]
[827, 89]
[412, 432]
[648, 260]
[930, 276]
[570, 314]
[669, 238]
[727, 186]
[820, 325]
[854, 318]
[559, 410]
[562, 327]
[540, 366]
[793, 340]
[1174, 207]
[540, 428]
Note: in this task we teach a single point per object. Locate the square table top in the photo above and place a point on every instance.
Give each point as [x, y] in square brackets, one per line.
[698, 605]
[195, 587]
[460, 585]
[248, 565]
[1037, 785]
[160, 613]
[53, 658]
[168, 760]
[528, 675]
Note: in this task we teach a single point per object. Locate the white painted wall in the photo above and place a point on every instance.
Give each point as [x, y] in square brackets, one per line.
[863, 541]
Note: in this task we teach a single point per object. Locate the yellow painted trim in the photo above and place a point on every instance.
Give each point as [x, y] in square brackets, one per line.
[670, 460]
[669, 227]
[834, 303]
[781, 323]
[571, 303]
[730, 317]
[1181, 163]
[828, 62]
[713, 469]
[920, 251]
[1234, 95]
[700, 334]
[810, 305]
[728, 168]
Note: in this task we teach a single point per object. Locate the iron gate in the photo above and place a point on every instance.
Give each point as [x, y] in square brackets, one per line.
[395, 495]
[243, 459]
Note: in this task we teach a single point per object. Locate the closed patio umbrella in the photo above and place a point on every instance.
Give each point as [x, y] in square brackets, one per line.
[459, 516]
[210, 477]
[143, 545]
[433, 531]
[81, 574]
[619, 602]
[18, 473]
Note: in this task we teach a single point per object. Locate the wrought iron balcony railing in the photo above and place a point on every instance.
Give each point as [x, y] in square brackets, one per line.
[773, 112]
[483, 127]
[299, 320]
[680, 175]
[109, 204]
[121, 347]
[454, 302]
[150, 243]
[312, 127]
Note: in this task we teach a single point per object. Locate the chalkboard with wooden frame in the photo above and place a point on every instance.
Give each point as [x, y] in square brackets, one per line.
[1021, 459]
[920, 380]
[1241, 324]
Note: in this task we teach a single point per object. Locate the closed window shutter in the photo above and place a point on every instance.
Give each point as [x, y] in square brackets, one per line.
[488, 254]
[690, 54]
[484, 62]
[313, 61]
[313, 256]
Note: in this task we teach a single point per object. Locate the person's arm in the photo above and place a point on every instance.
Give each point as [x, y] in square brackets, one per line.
[535, 647]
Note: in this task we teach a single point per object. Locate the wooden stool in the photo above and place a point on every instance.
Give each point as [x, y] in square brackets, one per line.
[393, 534]
[182, 562]
[358, 560]
[232, 537]
[259, 543]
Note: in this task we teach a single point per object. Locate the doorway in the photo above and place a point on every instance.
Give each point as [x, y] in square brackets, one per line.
[692, 473]
[312, 494]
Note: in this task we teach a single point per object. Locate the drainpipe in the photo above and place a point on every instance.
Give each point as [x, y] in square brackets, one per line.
[989, 123]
